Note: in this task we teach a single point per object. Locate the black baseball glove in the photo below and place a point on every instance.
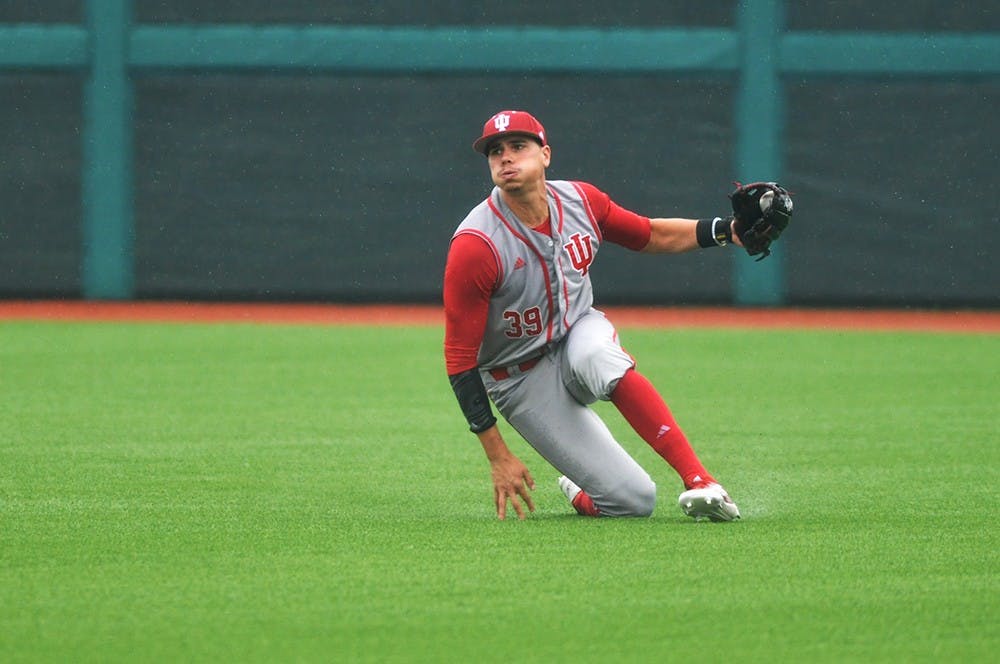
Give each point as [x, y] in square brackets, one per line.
[762, 211]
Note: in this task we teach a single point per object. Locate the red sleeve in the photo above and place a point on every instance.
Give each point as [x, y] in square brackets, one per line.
[470, 277]
[618, 225]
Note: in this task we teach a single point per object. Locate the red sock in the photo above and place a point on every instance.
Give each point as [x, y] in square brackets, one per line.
[644, 409]
[584, 505]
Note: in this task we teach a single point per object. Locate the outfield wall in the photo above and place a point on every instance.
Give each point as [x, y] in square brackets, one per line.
[320, 151]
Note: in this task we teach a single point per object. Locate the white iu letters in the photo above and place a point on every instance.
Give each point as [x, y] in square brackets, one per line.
[501, 121]
[581, 252]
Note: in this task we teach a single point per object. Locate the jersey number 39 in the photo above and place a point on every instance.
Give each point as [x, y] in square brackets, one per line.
[523, 324]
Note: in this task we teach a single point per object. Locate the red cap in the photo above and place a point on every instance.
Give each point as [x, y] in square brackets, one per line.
[510, 122]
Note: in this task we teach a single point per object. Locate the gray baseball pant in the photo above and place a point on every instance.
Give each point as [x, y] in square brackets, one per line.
[548, 406]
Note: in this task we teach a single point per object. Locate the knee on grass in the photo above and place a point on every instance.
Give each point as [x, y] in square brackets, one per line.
[636, 499]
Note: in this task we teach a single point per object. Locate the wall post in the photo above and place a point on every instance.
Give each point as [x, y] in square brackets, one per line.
[108, 233]
[759, 123]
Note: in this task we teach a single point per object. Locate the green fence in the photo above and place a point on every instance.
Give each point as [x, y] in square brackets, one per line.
[758, 52]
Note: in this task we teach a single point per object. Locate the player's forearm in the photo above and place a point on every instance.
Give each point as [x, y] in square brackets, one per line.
[473, 400]
[671, 236]
[493, 444]
[675, 236]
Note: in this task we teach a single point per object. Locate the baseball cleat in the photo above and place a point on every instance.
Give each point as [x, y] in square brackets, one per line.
[710, 501]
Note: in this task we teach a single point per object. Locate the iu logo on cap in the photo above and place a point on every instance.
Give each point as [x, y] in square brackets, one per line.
[501, 121]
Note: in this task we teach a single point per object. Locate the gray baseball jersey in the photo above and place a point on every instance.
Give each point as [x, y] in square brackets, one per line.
[544, 281]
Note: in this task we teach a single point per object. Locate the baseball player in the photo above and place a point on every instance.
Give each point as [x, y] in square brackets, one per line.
[521, 332]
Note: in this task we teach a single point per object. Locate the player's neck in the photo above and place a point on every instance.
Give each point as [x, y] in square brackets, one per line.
[531, 208]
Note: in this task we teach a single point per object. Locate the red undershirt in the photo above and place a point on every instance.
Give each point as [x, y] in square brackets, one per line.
[471, 274]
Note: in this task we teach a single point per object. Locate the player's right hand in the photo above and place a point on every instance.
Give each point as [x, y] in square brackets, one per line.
[511, 482]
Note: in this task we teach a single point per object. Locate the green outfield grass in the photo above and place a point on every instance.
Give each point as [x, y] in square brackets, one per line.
[275, 493]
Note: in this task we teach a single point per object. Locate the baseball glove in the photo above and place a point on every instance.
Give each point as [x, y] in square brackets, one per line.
[762, 211]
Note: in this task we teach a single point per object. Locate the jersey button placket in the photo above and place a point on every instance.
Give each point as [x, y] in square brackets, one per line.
[557, 303]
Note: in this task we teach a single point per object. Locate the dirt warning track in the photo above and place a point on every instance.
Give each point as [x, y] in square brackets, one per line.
[973, 322]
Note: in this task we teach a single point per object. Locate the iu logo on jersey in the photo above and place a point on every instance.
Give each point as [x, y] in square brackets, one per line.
[581, 252]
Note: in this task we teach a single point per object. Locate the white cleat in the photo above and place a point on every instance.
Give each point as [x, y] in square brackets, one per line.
[569, 489]
[711, 502]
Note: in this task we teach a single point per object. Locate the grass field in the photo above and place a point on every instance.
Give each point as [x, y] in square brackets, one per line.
[247, 493]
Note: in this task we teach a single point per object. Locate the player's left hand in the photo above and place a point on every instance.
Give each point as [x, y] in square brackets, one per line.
[736, 236]
[761, 212]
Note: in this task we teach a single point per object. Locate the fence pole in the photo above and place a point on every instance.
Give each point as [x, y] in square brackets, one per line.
[759, 123]
[108, 233]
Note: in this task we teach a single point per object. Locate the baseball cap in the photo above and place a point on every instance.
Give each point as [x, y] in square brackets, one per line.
[510, 122]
